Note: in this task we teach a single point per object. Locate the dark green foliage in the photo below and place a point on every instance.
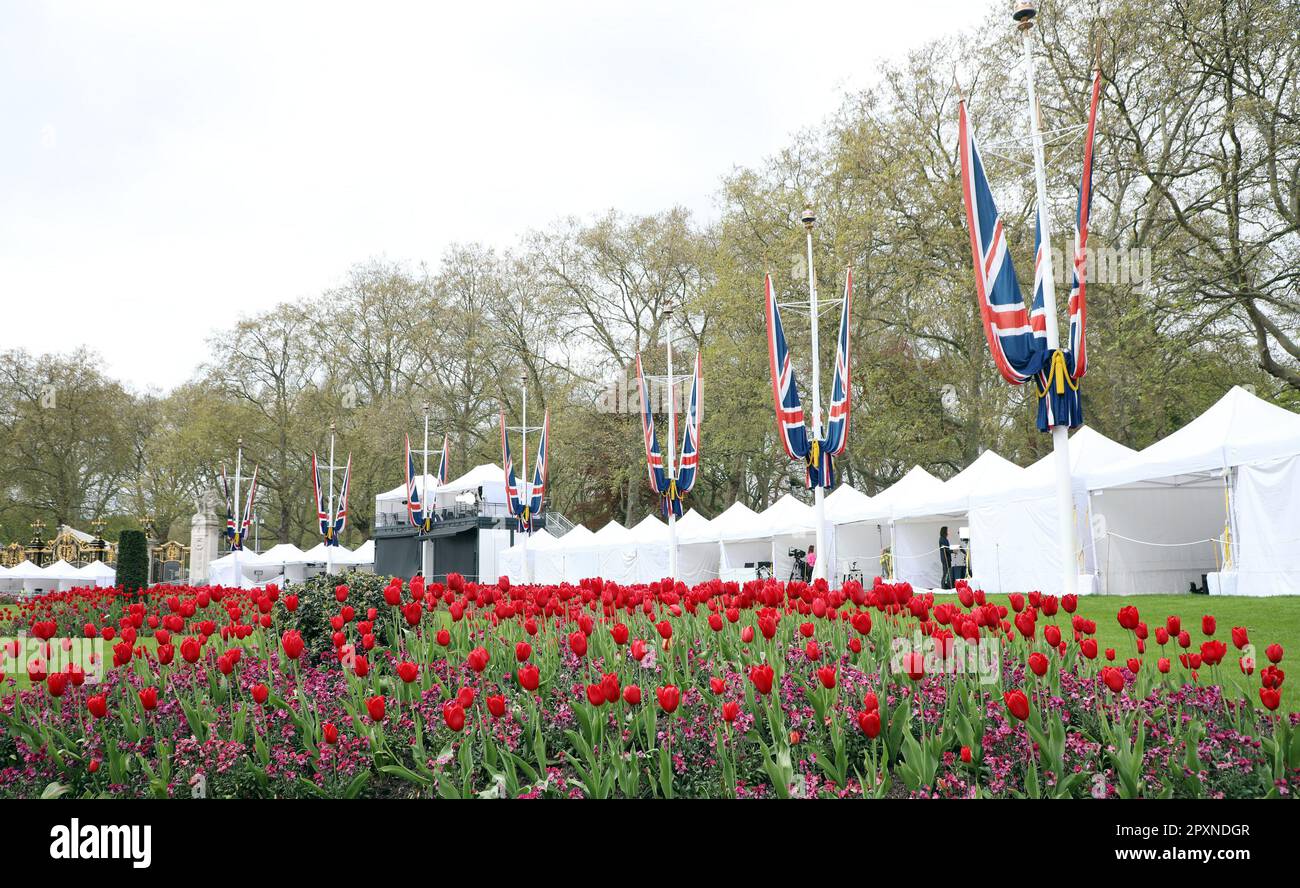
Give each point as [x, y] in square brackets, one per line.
[132, 560]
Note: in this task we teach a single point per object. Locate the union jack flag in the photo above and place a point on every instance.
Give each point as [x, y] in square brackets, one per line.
[514, 497]
[414, 509]
[1017, 351]
[816, 452]
[341, 513]
[537, 490]
[444, 463]
[672, 490]
[230, 505]
[322, 510]
[247, 520]
[1079, 284]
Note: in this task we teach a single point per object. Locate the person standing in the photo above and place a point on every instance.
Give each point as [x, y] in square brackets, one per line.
[812, 563]
[945, 558]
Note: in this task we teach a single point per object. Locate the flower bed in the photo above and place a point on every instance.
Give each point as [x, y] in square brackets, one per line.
[378, 688]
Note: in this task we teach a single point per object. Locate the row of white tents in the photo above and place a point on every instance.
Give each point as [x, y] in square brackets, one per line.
[278, 564]
[26, 578]
[1216, 502]
[286, 563]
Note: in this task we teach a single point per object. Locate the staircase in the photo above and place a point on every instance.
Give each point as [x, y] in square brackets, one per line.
[557, 525]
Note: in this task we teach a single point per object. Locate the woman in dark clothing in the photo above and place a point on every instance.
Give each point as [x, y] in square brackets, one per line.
[945, 558]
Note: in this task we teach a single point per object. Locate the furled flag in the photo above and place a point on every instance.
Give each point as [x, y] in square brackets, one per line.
[444, 463]
[230, 506]
[672, 490]
[1079, 284]
[817, 453]
[414, 509]
[514, 499]
[1017, 352]
[341, 513]
[246, 521]
[322, 510]
[537, 490]
[1018, 339]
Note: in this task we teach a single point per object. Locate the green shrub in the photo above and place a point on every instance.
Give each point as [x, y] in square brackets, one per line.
[316, 604]
[132, 560]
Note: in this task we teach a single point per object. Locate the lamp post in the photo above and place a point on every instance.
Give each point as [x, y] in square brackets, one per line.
[147, 524]
[525, 486]
[1024, 15]
[426, 545]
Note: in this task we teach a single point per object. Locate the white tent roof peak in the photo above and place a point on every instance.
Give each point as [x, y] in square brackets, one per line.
[739, 522]
[695, 528]
[788, 515]
[649, 529]
[845, 503]
[27, 570]
[611, 532]
[1239, 428]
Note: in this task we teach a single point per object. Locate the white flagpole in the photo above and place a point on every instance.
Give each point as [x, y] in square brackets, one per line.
[426, 546]
[238, 509]
[819, 492]
[672, 444]
[329, 550]
[525, 486]
[1024, 17]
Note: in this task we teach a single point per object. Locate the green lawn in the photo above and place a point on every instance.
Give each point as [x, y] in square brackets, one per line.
[1268, 620]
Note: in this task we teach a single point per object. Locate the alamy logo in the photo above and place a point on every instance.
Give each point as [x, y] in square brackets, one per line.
[102, 842]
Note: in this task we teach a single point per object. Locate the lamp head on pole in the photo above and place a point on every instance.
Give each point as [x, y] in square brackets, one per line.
[808, 218]
[669, 308]
[425, 407]
[1024, 13]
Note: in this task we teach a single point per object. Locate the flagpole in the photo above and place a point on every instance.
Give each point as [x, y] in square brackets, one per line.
[819, 492]
[1024, 18]
[525, 486]
[426, 545]
[238, 505]
[672, 444]
[329, 548]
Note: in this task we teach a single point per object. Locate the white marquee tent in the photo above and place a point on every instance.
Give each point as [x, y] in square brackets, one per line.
[1013, 526]
[551, 563]
[1213, 498]
[864, 531]
[699, 553]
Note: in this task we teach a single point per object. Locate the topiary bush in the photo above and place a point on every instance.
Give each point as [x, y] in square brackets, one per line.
[316, 604]
[132, 560]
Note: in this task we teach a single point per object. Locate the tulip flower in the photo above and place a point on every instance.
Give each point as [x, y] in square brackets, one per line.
[454, 715]
[1017, 704]
[375, 707]
[149, 698]
[292, 643]
[762, 676]
[670, 697]
[869, 722]
[529, 677]
[632, 695]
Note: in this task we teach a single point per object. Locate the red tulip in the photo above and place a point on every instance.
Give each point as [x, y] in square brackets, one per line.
[454, 715]
[149, 698]
[1274, 653]
[408, 671]
[1239, 637]
[595, 694]
[1270, 697]
[529, 677]
[632, 695]
[98, 705]
[730, 711]
[375, 706]
[496, 705]
[1017, 704]
[669, 698]
[826, 675]
[762, 676]
[330, 732]
[1208, 625]
[292, 643]
[465, 697]
[869, 722]
[523, 650]
[1163, 665]
[260, 693]
[1113, 678]
[444, 637]
[578, 644]
[609, 686]
[1038, 664]
[965, 755]
[478, 659]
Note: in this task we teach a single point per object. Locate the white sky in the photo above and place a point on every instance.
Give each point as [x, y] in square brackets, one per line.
[166, 167]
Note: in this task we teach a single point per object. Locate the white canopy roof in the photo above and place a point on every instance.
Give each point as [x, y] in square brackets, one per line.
[739, 522]
[916, 484]
[61, 570]
[364, 553]
[280, 553]
[1240, 428]
[845, 503]
[96, 570]
[26, 570]
[989, 471]
[695, 528]
[788, 516]
[577, 537]
[317, 554]
[488, 476]
[649, 530]
[613, 532]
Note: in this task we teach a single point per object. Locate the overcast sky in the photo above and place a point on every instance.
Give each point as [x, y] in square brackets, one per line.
[167, 167]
